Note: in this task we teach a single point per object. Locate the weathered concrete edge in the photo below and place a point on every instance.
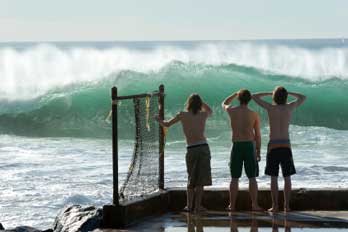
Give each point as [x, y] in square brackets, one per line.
[134, 211]
[301, 199]
[174, 199]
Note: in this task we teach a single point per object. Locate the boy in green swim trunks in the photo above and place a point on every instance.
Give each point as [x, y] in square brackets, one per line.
[246, 139]
[279, 150]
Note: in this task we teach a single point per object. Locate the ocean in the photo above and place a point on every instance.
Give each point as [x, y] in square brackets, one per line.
[55, 141]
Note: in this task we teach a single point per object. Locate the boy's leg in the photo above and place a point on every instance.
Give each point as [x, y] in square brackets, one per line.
[288, 169]
[274, 225]
[252, 171]
[233, 193]
[274, 194]
[287, 193]
[198, 198]
[233, 225]
[236, 166]
[253, 194]
[190, 195]
[272, 169]
[254, 225]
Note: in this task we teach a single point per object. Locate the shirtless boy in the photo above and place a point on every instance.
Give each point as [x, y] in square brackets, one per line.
[245, 126]
[198, 154]
[279, 149]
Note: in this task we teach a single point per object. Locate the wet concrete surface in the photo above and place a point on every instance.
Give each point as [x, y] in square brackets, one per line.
[303, 221]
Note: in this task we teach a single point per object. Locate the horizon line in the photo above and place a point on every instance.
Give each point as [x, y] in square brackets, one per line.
[159, 40]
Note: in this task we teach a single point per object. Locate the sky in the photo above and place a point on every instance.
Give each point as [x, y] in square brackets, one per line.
[120, 20]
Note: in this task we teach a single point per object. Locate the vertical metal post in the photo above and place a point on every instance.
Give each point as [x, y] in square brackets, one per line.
[114, 146]
[161, 138]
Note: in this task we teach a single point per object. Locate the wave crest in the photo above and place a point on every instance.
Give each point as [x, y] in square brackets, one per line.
[80, 110]
[32, 72]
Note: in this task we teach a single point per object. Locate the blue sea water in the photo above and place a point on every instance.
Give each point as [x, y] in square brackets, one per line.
[55, 144]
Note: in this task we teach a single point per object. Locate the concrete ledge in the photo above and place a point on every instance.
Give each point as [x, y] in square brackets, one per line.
[249, 221]
[301, 199]
[133, 211]
[217, 199]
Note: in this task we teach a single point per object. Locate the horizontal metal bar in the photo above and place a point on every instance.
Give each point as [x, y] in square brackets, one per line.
[137, 96]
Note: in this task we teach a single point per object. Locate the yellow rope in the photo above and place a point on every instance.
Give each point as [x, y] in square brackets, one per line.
[108, 117]
[165, 131]
[147, 104]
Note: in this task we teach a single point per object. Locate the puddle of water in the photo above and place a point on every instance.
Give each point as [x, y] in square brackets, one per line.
[242, 222]
[251, 229]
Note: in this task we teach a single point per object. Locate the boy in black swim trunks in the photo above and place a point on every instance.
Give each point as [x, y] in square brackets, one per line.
[245, 125]
[279, 149]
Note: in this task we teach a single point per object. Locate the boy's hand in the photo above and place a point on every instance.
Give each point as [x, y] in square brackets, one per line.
[156, 117]
[258, 155]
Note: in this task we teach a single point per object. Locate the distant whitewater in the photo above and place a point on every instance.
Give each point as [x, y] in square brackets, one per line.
[55, 144]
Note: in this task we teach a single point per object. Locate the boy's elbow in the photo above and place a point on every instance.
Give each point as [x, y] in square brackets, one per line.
[165, 124]
[257, 136]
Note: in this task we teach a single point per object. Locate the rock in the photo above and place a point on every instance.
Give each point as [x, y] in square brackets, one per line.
[77, 218]
[23, 229]
[1, 227]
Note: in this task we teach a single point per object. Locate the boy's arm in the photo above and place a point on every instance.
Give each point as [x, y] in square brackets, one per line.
[257, 137]
[168, 123]
[206, 108]
[226, 103]
[257, 98]
[300, 99]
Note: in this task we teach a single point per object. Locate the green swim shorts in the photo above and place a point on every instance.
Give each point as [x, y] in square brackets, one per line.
[244, 152]
[198, 166]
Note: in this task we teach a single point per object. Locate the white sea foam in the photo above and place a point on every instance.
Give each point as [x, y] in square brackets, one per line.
[33, 71]
[41, 175]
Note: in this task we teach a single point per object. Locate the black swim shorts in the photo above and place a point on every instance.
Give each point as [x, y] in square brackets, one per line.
[283, 157]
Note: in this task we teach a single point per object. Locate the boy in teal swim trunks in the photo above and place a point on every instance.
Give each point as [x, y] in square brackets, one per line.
[246, 139]
[279, 149]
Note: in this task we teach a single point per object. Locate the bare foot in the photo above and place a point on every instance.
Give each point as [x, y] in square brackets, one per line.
[187, 209]
[228, 208]
[273, 210]
[287, 210]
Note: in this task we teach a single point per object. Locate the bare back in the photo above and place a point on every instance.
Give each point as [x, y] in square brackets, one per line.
[279, 121]
[193, 126]
[243, 123]
[279, 115]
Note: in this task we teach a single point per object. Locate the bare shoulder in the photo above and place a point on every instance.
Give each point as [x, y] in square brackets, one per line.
[232, 109]
[204, 113]
[272, 107]
[254, 114]
[291, 106]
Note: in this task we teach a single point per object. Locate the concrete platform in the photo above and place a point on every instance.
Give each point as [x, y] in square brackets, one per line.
[315, 209]
[243, 221]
